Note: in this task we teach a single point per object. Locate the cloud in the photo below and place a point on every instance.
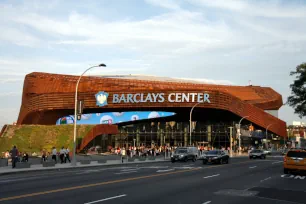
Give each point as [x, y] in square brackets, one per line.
[234, 40]
[17, 37]
[178, 32]
[272, 9]
[206, 81]
[168, 4]
[5, 94]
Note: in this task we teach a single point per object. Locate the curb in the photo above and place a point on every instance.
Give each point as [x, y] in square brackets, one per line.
[80, 167]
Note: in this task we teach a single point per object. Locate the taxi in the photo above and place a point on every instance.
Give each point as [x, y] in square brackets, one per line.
[295, 160]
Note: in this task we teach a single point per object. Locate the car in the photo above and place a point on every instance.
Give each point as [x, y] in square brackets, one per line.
[267, 152]
[216, 156]
[185, 154]
[284, 151]
[257, 153]
[295, 160]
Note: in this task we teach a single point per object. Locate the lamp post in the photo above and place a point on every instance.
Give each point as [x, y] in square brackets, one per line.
[73, 162]
[190, 128]
[231, 143]
[267, 134]
[238, 132]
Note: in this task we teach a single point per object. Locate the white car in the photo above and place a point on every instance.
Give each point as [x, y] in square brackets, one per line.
[267, 152]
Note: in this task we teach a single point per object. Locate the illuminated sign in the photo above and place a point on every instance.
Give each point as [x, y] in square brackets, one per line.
[101, 98]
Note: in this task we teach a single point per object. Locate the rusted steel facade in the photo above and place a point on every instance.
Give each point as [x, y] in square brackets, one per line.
[97, 131]
[47, 97]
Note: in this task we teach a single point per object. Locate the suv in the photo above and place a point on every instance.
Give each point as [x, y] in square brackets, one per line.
[295, 160]
[185, 154]
[257, 153]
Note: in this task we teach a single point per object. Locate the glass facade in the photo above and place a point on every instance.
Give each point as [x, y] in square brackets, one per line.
[171, 133]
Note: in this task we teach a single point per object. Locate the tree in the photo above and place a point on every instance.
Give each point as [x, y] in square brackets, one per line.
[297, 100]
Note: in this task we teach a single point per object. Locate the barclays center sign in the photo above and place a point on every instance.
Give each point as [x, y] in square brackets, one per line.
[102, 98]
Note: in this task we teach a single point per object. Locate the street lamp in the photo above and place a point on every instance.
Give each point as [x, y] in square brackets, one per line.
[238, 132]
[190, 121]
[267, 134]
[231, 143]
[73, 163]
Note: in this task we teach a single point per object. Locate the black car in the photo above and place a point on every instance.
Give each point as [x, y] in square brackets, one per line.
[257, 153]
[216, 157]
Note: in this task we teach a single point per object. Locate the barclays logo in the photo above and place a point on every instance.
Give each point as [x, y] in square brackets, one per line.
[101, 98]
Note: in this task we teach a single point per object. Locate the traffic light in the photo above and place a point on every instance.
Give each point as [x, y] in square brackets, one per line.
[80, 107]
[79, 116]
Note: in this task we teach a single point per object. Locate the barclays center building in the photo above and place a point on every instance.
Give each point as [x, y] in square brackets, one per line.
[158, 111]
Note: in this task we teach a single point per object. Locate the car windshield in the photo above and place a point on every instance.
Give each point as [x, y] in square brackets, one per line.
[296, 154]
[181, 151]
[213, 152]
[256, 151]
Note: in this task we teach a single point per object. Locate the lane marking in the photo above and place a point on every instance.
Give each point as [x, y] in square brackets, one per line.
[252, 167]
[265, 179]
[164, 170]
[113, 182]
[207, 202]
[185, 167]
[211, 176]
[105, 199]
[299, 177]
[88, 171]
[277, 162]
[129, 169]
[127, 172]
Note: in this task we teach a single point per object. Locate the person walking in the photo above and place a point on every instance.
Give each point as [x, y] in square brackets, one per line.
[14, 155]
[67, 155]
[54, 153]
[62, 154]
[44, 155]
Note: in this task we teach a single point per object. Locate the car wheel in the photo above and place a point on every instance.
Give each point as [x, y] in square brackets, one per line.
[227, 161]
[286, 171]
[221, 161]
[204, 162]
[194, 159]
[172, 160]
[262, 157]
[250, 157]
[186, 159]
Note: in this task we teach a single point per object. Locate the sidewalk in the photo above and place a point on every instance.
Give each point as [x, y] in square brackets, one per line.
[38, 167]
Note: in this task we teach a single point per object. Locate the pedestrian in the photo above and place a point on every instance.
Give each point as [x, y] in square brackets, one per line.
[25, 157]
[44, 155]
[14, 155]
[67, 155]
[122, 154]
[62, 154]
[54, 153]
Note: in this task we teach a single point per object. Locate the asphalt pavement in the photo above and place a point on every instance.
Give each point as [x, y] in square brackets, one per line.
[241, 181]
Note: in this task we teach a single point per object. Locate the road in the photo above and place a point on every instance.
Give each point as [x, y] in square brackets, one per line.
[241, 181]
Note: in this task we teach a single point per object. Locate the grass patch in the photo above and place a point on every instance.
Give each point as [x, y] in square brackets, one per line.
[34, 138]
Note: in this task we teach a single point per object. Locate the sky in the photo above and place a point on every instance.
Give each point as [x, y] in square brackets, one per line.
[223, 41]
